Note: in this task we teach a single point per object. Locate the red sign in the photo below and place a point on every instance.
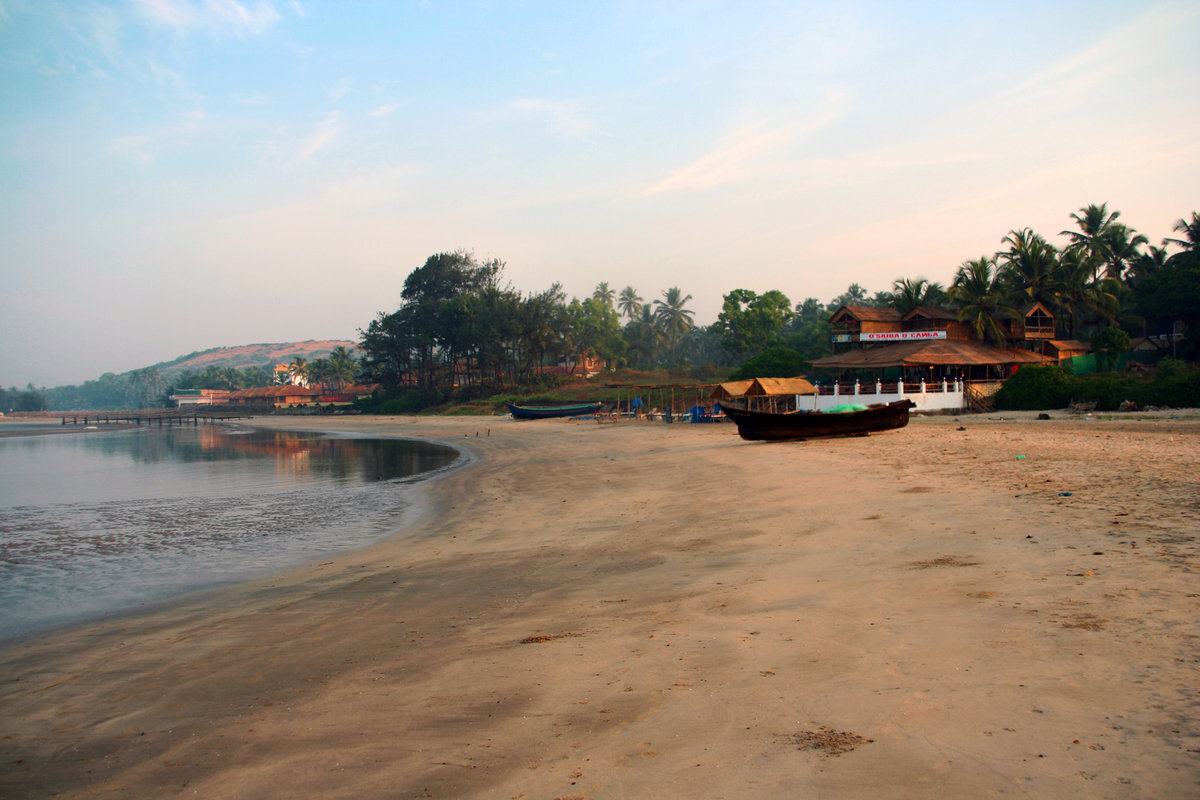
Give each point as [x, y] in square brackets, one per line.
[900, 336]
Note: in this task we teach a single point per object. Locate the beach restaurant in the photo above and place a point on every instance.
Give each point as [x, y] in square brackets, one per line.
[928, 355]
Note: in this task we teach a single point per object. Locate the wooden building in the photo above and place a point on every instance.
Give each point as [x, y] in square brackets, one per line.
[930, 344]
[277, 396]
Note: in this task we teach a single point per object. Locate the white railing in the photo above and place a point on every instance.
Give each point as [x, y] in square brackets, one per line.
[936, 396]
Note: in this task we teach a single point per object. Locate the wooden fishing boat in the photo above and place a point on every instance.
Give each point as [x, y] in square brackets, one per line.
[546, 412]
[769, 426]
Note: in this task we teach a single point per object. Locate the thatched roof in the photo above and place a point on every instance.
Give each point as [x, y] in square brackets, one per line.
[938, 353]
[730, 389]
[932, 312]
[273, 392]
[867, 313]
[1069, 345]
[773, 387]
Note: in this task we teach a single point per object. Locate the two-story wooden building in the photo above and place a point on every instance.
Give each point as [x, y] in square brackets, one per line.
[930, 344]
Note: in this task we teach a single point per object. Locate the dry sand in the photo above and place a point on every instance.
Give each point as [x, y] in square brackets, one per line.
[643, 610]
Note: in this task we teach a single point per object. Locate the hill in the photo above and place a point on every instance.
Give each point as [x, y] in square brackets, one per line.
[252, 355]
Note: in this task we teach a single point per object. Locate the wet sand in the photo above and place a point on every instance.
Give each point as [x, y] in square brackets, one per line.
[646, 610]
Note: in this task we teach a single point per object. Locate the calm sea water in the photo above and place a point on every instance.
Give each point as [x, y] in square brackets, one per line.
[96, 523]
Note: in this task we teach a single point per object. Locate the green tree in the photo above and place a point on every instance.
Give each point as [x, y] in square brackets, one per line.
[1109, 344]
[909, 293]
[855, 295]
[629, 303]
[1189, 243]
[1029, 267]
[750, 322]
[1093, 222]
[1123, 246]
[774, 362]
[343, 366]
[980, 295]
[298, 369]
[644, 339]
[595, 324]
[1077, 294]
[604, 294]
[809, 331]
[673, 318]
[1171, 295]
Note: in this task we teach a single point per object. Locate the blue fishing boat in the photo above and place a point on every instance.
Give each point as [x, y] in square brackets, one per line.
[547, 412]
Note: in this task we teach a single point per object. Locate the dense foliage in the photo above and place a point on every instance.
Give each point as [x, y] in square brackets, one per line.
[774, 362]
[1173, 385]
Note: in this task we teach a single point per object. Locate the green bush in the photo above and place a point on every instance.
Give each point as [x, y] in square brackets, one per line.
[1034, 388]
[409, 401]
[1108, 390]
[1174, 385]
[774, 362]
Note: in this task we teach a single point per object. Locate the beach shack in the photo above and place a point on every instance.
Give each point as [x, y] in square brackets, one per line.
[200, 397]
[779, 394]
[287, 396]
[929, 351]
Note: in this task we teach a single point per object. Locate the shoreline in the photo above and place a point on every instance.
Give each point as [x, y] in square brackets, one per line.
[29, 619]
[648, 610]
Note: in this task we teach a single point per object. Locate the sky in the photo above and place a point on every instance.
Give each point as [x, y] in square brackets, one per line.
[177, 175]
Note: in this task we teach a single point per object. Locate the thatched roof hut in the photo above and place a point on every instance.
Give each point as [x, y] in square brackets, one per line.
[724, 391]
[776, 387]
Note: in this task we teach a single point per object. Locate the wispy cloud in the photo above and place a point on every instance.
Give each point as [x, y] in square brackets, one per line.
[139, 149]
[1091, 71]
[383, 111]
[326, 131]
[339, 90]
[751, 152]
[252, 99]
[224, 15]
[566, 117]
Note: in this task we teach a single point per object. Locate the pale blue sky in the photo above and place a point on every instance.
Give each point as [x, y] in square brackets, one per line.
[181, 175]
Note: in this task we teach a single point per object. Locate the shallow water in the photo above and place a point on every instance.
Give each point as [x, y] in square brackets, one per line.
[101, 522]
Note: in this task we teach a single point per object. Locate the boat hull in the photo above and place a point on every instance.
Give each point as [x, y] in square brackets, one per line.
[798, 425]
[549, 412]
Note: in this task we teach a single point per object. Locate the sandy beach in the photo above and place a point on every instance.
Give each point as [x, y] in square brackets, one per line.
[989, 605]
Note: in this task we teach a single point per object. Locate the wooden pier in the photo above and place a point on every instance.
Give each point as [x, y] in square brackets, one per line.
[162, 416]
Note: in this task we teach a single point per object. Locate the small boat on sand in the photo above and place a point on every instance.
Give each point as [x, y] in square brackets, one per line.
[546, 412]
[792, 425]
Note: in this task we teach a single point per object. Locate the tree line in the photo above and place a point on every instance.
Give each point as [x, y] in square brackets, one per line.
[460, 325]
[462, 328]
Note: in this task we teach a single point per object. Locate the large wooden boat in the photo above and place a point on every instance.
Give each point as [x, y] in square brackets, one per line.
[546, 412]
[770, 426]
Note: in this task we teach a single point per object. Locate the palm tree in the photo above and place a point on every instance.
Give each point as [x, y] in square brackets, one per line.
[1093, 222]
[644, 338]
[1190, 243]
[1030, 266]
[1146, 264]
[1122, 243]
[1076, 292]
[908, 294]
[298, 370]
[604, 294]
[343, 367]
[629, 303]
[978, 291]
[672, 318]
[855, 295]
